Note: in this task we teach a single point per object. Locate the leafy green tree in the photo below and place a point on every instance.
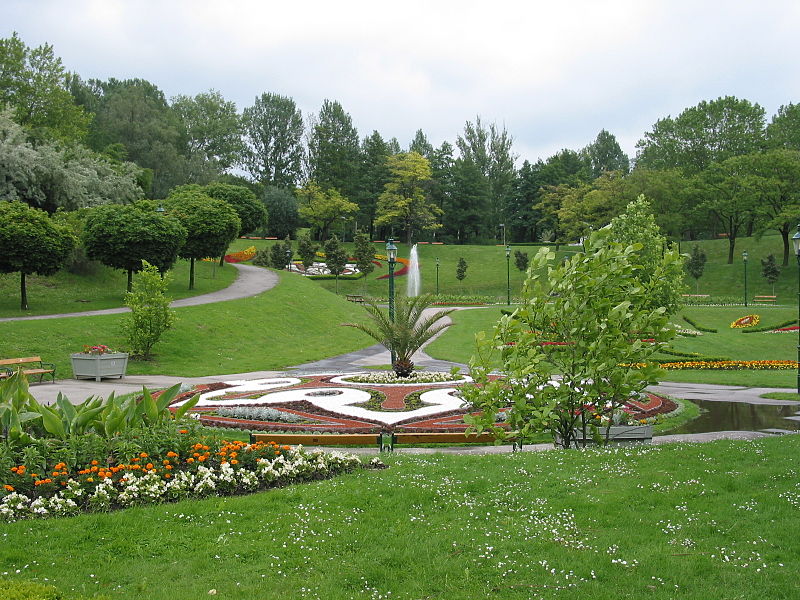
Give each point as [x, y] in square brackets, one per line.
[333, 150]
[278, 254]
[671, 195]
[211, 225]
[593, 304]
[588, 206]
[696, 265]
[322, 208]
[466, 206]
[33, 84]
[252, 213]
[770, 270]
[403, 202]
[364, 254]
[30, 242]
[306, 250]
[421, 145]
[273, 129]
[335, 258]
[123, 236]
[604, 154]
[704, 134]
[213, 129]
[657, 267]
[784, 129]
[521, 260]
[461, 269]
[374, 176]
[284, 216]
[150, 315]
[407, 332]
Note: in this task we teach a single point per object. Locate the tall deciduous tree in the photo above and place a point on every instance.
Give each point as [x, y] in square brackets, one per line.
[604, 154]
[33, 83]
[211, 225]
[322, 208]
[364, 255]
[403, 202]
[701, 135]
[122, 236]
[784, 129]
[696, 264]
[333, 150]
[31, 243]
[335, 258]
[273, 129]
[374, 176]
[252, 213]
[421, 145]
[213, 129]
[282, 209]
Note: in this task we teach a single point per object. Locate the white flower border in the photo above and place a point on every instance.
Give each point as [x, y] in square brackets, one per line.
[341, 380]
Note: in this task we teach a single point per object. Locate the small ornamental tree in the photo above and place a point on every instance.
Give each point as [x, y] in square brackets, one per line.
[696, 265]
[770, 271]
[30, 242]
[521, 260]
[588, 319]
[150, 314]
[364, 255]
[306, 250]
[461, 269]
[252, 213]
[335, 258]
[210, 225]
[122, 236]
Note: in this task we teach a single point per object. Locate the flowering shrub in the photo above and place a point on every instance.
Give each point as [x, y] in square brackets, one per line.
[746, 321]
[97, 349]
[199, 471]
[389, 377]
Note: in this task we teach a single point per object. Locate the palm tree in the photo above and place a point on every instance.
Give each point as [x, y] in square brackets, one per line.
[407, 333]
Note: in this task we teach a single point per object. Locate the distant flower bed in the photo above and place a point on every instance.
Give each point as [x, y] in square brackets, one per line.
[746, 321]
[730, 365]
[390, 378]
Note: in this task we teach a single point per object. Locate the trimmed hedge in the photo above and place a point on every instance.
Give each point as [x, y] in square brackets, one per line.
[698, 327]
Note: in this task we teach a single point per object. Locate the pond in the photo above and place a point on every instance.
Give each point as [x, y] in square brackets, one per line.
[740, 416]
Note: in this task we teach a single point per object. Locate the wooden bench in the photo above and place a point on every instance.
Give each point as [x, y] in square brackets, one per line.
[9, 365]
[384, 441]
[355, 298]
[694, 295]
[765, 298]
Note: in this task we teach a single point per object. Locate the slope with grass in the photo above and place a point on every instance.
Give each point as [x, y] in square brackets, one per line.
[693, 521]
[295, 322]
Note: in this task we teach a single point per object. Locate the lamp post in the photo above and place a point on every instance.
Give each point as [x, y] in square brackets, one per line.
[508, 273]
[796, 242]
[744, 259]
[288, 259]
[503, 225]
[391, 252]
[437, 275]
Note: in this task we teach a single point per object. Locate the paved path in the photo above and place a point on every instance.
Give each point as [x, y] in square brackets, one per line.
[250, 281]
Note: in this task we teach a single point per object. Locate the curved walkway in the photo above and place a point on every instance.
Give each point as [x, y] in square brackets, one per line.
[250, 281]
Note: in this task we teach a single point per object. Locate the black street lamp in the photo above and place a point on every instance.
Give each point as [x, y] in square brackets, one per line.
[391, 252]
[288, 259]
[508, 273]
[437, 275]
[796, 242]
[744, 259]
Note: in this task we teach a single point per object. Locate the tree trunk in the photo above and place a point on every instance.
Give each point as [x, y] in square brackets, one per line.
[785, 235]
[130, 280]
[23, 292]
[731, 246]
[191, 273]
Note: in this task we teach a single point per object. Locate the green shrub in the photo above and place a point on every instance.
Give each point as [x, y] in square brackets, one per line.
[150, 313]
[698, 327]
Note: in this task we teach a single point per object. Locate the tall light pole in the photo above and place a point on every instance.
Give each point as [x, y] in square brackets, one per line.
[391, 252]
[796, 242]
[437, 275]
[744, 259]
[508, 273]
[288, 259]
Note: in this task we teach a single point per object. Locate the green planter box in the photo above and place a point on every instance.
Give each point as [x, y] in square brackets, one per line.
[97, 366]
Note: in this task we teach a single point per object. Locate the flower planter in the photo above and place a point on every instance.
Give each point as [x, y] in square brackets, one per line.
[620, 434]
[97, 366]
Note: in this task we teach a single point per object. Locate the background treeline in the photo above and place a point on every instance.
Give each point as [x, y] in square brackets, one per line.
[719, 168]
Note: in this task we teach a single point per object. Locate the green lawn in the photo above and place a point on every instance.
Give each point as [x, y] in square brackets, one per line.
[458, 342]
[105, 288]
[293, 323]
[693, 521]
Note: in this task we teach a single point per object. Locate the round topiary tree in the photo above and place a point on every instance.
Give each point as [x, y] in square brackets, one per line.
[30, 242]
[210, 224]
[122, 236]
[252, 213]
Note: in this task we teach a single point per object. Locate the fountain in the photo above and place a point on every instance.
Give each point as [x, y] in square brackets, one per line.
[414, 281]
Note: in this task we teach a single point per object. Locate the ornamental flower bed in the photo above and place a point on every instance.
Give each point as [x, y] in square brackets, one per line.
[746, 321]
[730, 365]
[227, 468]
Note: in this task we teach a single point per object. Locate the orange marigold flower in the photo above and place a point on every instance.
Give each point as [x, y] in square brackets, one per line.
[167, 475]
[286, 448]
[94, 462]
[168, 467]
[134, 460]
[277, 452]
[172, 454]
[183, 431]
[143, 454]
[201, 458]
[234, 462]
[148, 466]
[9, 488]
[190, 460]
[165, 462]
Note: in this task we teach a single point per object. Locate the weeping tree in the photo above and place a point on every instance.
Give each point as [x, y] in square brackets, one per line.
[407, 332]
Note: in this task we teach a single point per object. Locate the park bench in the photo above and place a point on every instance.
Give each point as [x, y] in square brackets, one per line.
[694, 295]
[384, 441]
[355, 298]
[765, 298]
[37, 367]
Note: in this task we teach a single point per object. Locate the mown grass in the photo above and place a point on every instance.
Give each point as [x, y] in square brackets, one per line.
[693, 521]
[105, 288]
[458, 343]
[293, 323]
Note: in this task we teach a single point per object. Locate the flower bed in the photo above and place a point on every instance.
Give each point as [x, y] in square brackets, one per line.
[730, 365]
[746, 321]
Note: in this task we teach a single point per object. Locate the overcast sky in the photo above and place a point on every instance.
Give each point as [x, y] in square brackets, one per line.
[554, 73]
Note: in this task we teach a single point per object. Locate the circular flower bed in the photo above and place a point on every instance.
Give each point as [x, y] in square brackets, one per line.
[390, 378]
[746, 321]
